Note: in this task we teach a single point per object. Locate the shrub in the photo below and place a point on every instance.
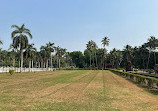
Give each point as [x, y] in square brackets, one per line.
[11, 72]
[141, 79]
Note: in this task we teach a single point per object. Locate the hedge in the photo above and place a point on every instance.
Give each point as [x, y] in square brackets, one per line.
[79, 69]
[151, 82]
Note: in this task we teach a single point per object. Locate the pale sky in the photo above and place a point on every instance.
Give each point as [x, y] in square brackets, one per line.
[72, 23]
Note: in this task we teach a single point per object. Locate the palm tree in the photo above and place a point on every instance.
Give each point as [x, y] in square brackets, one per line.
[151, 45]
[44, 54]
[30, 53]
[105, 42]
[89, 48]
[128, 52]
[13, 52]
[1, 42]
[94, 48]
[60, 52]
[20, 39]
[115, 58]
[50, 49]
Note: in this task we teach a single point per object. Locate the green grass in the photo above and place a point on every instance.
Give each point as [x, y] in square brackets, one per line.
[76, 90]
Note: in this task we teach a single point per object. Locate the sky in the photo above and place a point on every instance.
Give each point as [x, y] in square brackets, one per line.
[72, 23]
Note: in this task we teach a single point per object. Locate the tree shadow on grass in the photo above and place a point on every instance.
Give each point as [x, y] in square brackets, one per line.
[153, 91]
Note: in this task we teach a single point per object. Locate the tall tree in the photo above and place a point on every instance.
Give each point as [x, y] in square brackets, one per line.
[20, 39]
[50, 49]
[105, 42]
[89, 48]
[94, 49]
[13, 50]
[30, 53]
[151, 45]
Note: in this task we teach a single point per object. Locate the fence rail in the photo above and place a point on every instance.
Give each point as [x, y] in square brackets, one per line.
[16, 69]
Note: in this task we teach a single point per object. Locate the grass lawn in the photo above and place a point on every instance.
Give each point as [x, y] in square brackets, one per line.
[73, 91]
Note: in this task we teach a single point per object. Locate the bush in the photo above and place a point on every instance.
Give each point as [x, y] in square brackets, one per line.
[80, 69]
[144, 80]
[11, 72]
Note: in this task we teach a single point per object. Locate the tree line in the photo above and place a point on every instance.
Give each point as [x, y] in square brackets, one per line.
[22, 54]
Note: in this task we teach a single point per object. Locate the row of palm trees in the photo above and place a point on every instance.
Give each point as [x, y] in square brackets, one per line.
[92, 48]
[21, 46]
[141, 57]
[92, 57]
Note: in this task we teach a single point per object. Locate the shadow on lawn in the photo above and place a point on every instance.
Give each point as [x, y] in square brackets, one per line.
[153, 91]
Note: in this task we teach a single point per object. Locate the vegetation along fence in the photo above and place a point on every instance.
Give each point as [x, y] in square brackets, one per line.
[6, 69]
[151, 82]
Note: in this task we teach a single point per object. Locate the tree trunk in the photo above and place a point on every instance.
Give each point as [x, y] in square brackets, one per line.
[51, 61]
[148, 61]
[59, 63]
[47, 64]
[30, 65]
[36, 64]
[44, 65]
[96, 60]
[21, 68]
[13, 59]
[90, 60]
[103, 60]
[39, 64]
[19, 63]
[93, 58]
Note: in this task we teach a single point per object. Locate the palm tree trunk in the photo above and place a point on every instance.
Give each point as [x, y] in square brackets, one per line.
[13, 60]
[90, 60]
[30, 65]
[93, 58]
[47, 64]
[44, 65]
[96, 60]
[21, 68]
[19, 63]
[39, 64]
[59, 63]
[51, 61]
[36, 64]
[103, 61]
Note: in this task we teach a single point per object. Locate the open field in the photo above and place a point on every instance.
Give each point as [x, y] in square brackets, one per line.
[73, 91]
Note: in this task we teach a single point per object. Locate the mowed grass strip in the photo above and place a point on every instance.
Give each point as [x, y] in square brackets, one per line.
[84, 90]
[126, 96]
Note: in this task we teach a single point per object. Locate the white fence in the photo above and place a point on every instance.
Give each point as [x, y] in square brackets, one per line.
[6, 69]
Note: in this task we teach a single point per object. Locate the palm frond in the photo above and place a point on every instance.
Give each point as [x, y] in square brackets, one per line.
[29, 34]
[14, 33]
[26, 30]
[23, 26]
[15, 26]
[1, 42]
